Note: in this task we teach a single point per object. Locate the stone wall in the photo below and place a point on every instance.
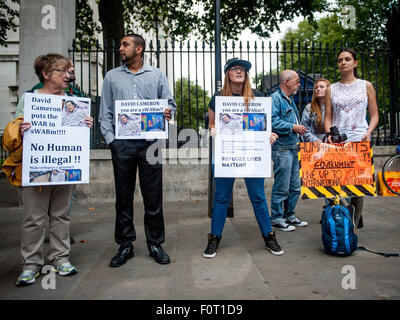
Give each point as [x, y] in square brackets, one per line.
[183, 179]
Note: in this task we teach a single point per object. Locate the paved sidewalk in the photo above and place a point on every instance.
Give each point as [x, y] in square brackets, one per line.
[242, 269]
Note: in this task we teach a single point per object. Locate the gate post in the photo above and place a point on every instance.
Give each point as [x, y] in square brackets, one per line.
[218, 87]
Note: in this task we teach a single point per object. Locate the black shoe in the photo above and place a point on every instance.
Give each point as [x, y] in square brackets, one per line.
[123, 255]
[272, 245]
[212, 246]
[71, 240]
[158, 253]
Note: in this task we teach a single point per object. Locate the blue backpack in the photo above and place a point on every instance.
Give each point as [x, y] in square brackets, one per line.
[337, 226]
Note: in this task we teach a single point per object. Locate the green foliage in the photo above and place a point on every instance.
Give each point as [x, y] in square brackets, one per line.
[193, 102]
[371, 17]
[314, 48]
[179, 19]
[8, 20]
[85, 27]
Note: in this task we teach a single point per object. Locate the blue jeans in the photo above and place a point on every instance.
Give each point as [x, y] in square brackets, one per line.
[286, 188]
[222, 195]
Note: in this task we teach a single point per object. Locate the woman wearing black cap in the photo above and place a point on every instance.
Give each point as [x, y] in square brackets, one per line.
[237, 83]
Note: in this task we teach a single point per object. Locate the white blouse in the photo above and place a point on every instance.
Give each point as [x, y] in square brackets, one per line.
[349, 107]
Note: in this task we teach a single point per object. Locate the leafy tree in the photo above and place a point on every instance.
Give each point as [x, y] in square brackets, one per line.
[371, 17]
[179, 19]
[85, 27]
[314, 48]
[8, 20]
[192, 102]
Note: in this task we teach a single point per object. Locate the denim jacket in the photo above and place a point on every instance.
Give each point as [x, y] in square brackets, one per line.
[284, 116]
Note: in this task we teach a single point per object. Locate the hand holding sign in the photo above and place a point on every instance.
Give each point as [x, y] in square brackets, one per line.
[167, 114]
[24, 126]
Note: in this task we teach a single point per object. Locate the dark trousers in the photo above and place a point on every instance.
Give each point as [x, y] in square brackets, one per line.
[127, 156]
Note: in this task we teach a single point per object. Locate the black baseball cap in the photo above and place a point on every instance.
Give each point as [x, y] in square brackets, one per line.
[237, 62]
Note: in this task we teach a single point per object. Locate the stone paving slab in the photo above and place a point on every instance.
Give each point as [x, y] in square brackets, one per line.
[242, 269]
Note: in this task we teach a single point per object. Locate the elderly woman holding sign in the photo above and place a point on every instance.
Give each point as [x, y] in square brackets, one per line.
[237, 83]
[346, 105]
[50, 202]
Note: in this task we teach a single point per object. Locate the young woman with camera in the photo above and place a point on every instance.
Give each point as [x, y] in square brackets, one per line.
[346, 105]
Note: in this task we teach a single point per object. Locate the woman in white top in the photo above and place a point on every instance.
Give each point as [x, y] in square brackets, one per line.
[346, 105]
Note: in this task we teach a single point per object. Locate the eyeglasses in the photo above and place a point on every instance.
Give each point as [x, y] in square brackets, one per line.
[238, 68]
[62, 71]
[297, 80]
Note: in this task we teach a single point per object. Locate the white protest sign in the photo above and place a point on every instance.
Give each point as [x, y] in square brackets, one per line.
[141, 119]
[56, 149]
[242, 147]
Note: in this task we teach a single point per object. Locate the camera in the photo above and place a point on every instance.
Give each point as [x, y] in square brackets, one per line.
[336, 137]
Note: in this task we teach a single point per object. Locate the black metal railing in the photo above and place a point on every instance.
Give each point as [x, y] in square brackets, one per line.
[189, 67]
[3, 153]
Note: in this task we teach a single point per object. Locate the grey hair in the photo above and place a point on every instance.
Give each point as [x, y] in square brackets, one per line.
[285, 75]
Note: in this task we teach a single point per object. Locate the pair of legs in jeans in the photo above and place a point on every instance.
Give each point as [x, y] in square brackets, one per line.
[222, 196]
[223, 193]
[286, 188]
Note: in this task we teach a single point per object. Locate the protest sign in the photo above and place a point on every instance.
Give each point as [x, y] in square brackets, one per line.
[242, 147]
[330, 170]
[141, 119]
[56, 149]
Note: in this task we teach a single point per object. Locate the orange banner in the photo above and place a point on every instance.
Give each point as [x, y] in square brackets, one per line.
[326, 165]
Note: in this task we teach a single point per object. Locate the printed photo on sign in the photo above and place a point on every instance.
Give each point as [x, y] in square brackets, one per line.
[57, 175]
[39, 176]
[254, 122]
[73, 175]
[128, 124]
[74, 113]
[230, 123]
[153, 122]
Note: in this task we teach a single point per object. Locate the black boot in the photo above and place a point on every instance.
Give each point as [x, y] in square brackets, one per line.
[272, 245]
[212, 246]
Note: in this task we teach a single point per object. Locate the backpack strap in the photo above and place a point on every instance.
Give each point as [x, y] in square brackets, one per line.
[386, 255]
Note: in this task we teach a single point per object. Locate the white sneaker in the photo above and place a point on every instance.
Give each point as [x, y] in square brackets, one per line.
[27, 277]
[283, 226]
[66, 269]
[296, 222]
